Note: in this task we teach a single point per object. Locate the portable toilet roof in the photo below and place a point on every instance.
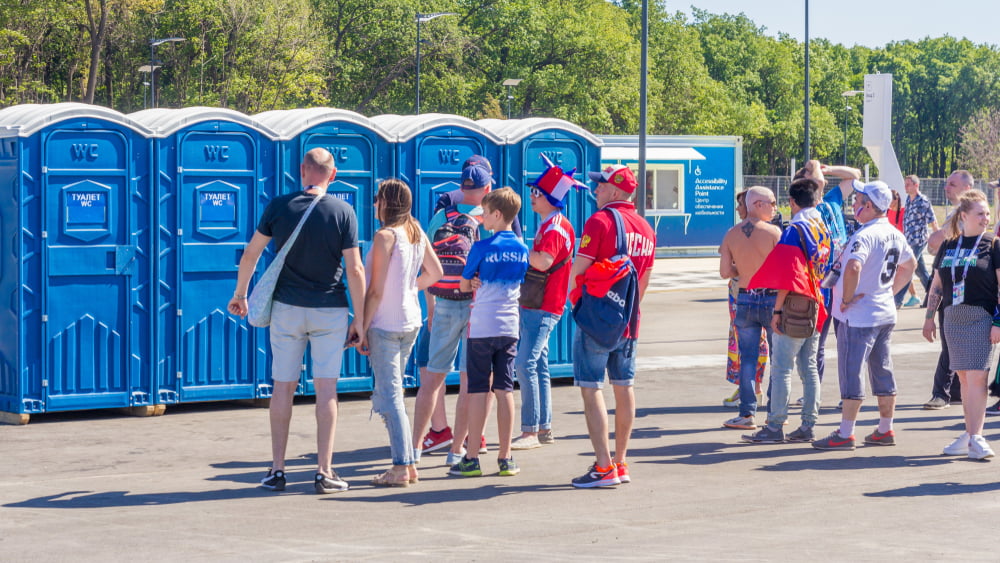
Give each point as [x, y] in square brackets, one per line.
[27, 119]
[290, 122]
[405, 127]
[516, 130]
[165, 122]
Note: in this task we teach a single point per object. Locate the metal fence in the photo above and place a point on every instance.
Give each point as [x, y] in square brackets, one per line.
[933, 188]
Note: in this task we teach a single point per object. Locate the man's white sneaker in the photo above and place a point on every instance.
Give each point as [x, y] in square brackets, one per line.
[979, 448]
[960, 446]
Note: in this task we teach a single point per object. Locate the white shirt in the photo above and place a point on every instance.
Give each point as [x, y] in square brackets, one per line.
[880, 248]
[399, 310]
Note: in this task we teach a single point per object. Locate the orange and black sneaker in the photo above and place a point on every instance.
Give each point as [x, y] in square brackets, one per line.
[835, 442]
[623, 475]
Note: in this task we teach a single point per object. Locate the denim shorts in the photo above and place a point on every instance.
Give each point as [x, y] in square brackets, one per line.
[857, 345]
[292, 327]
[491, 354]
[449, 329]
[590, 360]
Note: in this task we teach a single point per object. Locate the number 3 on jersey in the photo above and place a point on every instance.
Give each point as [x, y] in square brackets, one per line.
[891, 261]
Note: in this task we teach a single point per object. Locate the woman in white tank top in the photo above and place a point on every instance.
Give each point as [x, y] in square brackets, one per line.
[399, 265]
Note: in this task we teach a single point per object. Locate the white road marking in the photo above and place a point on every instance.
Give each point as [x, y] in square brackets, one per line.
[654, 363]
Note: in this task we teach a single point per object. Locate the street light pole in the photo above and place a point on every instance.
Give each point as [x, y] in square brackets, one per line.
[847, 109]
[153, 44]
[640, 203]
[421, 18]
[510, 83]
[806, 143]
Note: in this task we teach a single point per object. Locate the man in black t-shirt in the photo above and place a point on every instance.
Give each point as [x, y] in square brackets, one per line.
[310, 307]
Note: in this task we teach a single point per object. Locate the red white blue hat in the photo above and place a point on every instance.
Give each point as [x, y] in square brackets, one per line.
[555, 184]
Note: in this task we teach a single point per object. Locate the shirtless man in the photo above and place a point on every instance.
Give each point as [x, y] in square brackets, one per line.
[743, 250]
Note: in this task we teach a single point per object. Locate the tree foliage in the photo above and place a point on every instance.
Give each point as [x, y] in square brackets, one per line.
[709, 74]
[980, 151]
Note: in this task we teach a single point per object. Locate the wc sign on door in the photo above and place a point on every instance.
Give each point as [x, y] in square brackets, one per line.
[86, 208]
[218, 207]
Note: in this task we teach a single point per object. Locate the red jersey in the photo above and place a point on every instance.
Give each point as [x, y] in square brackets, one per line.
[599, 236]
[556, 238]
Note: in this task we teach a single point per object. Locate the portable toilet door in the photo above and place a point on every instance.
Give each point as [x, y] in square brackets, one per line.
[564, 144]
[569, 147]
[364, 156]
[76, 217]
[216, 172]
[430, 151]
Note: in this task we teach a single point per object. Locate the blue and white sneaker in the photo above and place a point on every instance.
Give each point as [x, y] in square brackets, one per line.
[594, 478]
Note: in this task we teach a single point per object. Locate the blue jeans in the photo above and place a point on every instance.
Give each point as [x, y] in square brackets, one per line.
[788, 352]
[921, 272]
[388, 353]
[532, 367]
[753, 313]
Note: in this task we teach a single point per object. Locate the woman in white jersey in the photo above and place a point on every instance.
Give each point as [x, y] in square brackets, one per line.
[966, 279]
[399, 265]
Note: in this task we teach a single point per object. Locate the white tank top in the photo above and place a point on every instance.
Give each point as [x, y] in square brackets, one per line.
[399, 310]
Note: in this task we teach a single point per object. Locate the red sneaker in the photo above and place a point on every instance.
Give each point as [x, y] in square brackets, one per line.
[436, 440]
[482, 445]
[622, 469]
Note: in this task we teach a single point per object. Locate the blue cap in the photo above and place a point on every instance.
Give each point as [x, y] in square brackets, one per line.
[480, 177]
[478, 160]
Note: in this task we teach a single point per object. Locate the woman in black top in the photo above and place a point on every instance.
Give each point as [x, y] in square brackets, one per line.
[966, 279]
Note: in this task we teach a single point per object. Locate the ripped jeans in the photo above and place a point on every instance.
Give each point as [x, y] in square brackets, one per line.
[388, 355]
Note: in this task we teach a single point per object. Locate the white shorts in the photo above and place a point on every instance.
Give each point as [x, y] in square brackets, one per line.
[324, 328]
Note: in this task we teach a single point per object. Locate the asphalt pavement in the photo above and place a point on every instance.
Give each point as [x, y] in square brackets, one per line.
[101, 486]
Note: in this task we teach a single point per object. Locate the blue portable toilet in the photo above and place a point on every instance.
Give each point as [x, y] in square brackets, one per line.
[567, 146]
[77, 236]
[364, 156]
[216, 171]
[430, 150]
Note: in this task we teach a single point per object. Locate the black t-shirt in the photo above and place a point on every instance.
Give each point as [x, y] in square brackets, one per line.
[981, 281]
[313, 274]
[455, 197]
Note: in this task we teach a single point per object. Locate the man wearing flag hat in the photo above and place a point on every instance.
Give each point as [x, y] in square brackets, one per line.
[551, 252]
[615, 189]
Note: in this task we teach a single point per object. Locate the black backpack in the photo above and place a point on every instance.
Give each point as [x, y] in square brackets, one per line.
[452, 242]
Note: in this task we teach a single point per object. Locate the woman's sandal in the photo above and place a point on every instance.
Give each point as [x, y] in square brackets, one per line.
[387, 480]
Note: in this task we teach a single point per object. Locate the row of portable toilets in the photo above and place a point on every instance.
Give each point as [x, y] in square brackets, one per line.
[120, 237]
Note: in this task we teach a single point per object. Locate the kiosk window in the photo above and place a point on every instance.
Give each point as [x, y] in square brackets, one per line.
[665, 188]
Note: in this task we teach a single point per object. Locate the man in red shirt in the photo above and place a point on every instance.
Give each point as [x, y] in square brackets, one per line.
[551, 252]
[615, 188]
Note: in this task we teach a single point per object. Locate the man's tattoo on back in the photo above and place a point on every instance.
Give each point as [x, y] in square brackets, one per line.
[747, 229]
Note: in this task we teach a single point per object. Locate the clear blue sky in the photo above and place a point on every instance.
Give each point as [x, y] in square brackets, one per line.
[871, 23]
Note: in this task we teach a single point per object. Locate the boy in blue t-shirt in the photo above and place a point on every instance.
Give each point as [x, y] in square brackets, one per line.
[495, 267]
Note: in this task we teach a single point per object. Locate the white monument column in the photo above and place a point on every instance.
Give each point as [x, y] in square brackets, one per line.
[877, 137]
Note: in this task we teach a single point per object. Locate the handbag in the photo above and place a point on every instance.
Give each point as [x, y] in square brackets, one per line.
[261, 298]
[799, 312]
[533, 287]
